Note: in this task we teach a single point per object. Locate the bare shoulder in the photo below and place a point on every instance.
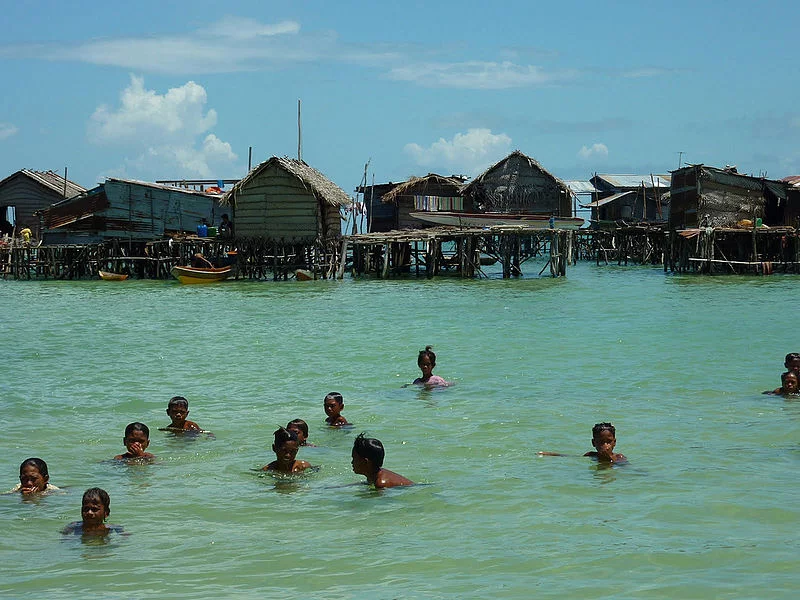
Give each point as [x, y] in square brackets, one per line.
[387, 478]
[301, 465]
[192, 426]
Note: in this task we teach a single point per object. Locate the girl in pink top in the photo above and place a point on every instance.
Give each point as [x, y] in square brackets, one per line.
[426, 361]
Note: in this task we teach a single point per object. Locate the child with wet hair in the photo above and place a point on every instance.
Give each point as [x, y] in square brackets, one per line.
[300, 428]
[34, 478]
[285, 447]
[426, 361]
[792, 362]
[790, 384]
[333, 405]
[178, 410]
[95, 509]
[136, 440]
[604, 439]
[367, 460]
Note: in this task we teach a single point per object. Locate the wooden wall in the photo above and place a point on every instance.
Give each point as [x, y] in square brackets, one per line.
[27, 196]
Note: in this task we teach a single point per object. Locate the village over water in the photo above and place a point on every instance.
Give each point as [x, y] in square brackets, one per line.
[286, 220]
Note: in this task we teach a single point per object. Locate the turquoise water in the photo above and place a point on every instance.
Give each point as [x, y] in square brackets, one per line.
[706, 508]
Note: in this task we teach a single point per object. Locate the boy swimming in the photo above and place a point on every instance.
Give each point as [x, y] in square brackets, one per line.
[285, 447]
[792, 362]
[95, 509]
[333, 404]
[300, 428]
[136, 440]
[367, 460]
[790, 384]
[604, 440]
[178, 410]
[33, 478]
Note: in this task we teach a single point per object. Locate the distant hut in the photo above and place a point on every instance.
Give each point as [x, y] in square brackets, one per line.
[430, 193]
[713, 197]
[126, 209]
[286, 199]
[26, 192]
[791, 211]
[381, 216]
[630, 198]
[518, 184]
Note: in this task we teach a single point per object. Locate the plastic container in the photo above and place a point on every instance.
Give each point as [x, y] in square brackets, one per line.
[759, 222]
[212, 231]
[202, 230]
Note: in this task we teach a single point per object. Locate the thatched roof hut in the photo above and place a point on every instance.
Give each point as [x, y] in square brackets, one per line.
[518, 183]
[285, 198]
[429, 193]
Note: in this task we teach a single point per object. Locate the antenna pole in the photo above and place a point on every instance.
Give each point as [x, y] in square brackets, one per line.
[299, 133]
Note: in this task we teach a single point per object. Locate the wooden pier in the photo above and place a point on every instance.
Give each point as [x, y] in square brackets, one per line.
[461, 252]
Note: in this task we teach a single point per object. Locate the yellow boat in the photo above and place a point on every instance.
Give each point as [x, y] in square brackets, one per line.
[109, 276]
[198, 275]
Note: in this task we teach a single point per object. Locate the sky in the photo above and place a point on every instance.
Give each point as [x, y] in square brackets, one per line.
[172, 90]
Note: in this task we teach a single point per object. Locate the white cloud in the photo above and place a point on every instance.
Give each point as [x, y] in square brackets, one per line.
[166, 133]
[469, 152]
[7, 130]
[242, 28]
[594, 151]
[478, 75]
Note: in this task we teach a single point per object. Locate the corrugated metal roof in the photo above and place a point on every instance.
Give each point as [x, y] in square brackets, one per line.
[608, 200]
[55, 182]
[792, 180]
[581, 187]
[633, 181]
[162, 186]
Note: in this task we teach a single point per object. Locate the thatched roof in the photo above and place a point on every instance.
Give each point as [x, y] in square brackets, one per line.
[516, 153]
[419, 184]
[322, 187]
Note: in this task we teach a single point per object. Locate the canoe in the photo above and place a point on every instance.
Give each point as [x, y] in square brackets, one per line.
[529, 221]
[109, 276]
[197, 275]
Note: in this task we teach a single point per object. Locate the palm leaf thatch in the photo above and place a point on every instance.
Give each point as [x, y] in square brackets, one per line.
[418, 185]
[323, 188]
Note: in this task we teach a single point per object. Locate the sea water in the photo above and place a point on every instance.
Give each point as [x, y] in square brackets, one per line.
[706, 507]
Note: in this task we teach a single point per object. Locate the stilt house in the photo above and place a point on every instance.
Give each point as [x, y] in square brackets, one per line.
[25, 192]
[381, 216]
[630, 198]
[791, 211]
[703, 196]
[430, 193]
[125, 209]
[286, 199]
[518, 184]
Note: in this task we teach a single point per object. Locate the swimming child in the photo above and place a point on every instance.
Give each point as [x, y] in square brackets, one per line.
[792, 362]
[178, 410]
[300, 428]
[334, 403]
[604, 438]
[285, 447]
[367, 455]
[33, 478]
[790, 384]
[95, 509]
[426, 361]
[136, 440]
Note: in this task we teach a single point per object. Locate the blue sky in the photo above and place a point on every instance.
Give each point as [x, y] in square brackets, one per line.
[161, 90]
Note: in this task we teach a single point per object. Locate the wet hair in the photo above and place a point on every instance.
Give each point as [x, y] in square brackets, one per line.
[335, 396]
[138, 427]
[791, 356]
[40, 465]
[598, 427]
[99, 494]
[178, 401]
[369, 448]
[300, 424]
[429, 353]
[283, 435]
[789, 374]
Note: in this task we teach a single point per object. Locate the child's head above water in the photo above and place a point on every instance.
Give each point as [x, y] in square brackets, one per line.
[368, 449]
[95, 507]
[792, 361]
[426, 355]
[790, 382]
[178, 410]
[136, 441]
[133, 428]
[300, 428]
[333, 405]
[33, 476]
[604, 439]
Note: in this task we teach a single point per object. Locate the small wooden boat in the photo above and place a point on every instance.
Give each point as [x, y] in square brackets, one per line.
[109, 276]
[198, 275]
[303, 275]
[493, 219]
